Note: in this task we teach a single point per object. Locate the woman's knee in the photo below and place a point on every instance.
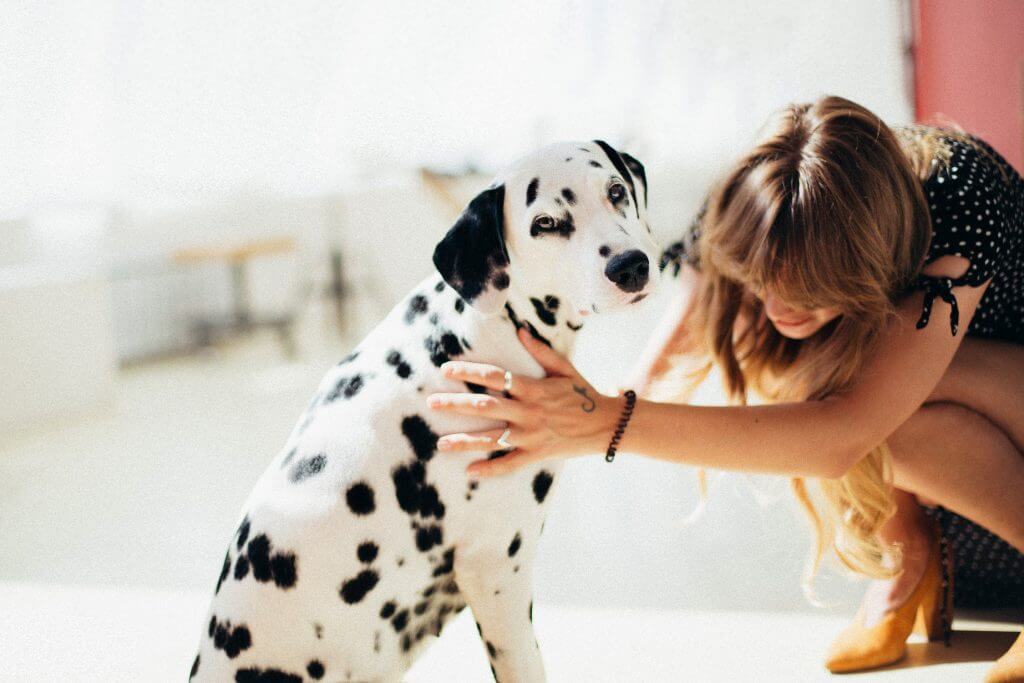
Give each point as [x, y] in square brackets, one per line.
[916, 441]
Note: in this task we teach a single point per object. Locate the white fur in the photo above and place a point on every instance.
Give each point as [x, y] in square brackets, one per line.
[362, 440]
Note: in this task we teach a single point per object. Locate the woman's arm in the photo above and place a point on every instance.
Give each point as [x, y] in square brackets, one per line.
[819, 438]
[669, 337]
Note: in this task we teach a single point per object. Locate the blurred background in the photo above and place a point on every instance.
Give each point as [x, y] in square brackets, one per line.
[204, 205]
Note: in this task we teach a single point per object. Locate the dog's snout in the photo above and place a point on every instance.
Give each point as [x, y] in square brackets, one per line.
[629, 270]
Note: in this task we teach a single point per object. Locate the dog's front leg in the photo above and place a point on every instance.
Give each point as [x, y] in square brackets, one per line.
[500, 593]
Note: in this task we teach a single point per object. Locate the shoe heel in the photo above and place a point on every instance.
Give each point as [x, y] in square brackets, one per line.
[929, 622]
[934, 617]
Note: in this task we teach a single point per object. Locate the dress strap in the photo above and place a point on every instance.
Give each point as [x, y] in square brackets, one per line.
[941, 287]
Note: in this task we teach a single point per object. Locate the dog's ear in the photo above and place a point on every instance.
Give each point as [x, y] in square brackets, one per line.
[631, 170]
[639, 174]
[472, 257]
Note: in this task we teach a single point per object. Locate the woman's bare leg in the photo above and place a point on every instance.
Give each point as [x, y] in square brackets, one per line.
[959, 459]
[910, 528]
[962, 451]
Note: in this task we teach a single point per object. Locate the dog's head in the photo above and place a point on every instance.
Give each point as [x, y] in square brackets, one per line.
[570, 218]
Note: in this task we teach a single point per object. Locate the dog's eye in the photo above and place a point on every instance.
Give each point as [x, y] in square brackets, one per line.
[616, 192]
[543, 222]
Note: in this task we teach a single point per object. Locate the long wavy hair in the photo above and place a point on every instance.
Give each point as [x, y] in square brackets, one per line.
[827, 210]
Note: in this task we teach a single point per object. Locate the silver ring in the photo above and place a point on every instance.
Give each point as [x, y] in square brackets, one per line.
[503, 441]
[508, 383]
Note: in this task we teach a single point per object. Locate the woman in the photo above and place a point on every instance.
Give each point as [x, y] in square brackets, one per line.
[834, 272]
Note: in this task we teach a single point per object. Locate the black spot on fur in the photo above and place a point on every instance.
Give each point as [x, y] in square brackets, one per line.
[428, 537]
[439, 287]
[574, 328]
[318, 631]
[388, 609]
[420, 608]
[400, 621]
[491, 650]
[283, 568]
[349, 358]
[308, 467]
[546, 316]
[595, 164]
[422, 439]
[211, 627]
[447, 563]
[346, 388]
[513, 547]
[501, 281]
[241, 567]
[605, 250]
[360, 499]
[541, 485]
[531, 191]
[315, 670]
[460, 305]
[356, 588]
[225, 568]
[279, 567]
[395, 360]
[568, 159]
[259, 556]
[255, 675]
[233, 640]
[569, 195]
[413, 493]
[195, 668]
[531, 611]
[434, 319]
[417, 306]
[367, 552]
[243, 532]
[442, 347]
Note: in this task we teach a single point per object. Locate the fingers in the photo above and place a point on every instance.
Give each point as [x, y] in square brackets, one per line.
[490, 376]
[553, 362]
[479, 405]
[474, 441]
[505, 464]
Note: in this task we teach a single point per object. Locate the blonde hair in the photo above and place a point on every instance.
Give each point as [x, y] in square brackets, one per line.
[827, 210]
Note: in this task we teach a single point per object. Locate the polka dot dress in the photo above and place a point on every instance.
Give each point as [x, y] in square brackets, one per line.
[977, 207]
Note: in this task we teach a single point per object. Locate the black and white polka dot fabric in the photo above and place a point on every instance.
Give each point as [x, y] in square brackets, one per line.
[977, 208]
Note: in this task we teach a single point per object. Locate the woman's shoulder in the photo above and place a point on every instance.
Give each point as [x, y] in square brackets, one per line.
[967, 188]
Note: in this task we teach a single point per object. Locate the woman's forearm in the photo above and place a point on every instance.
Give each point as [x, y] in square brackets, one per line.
[797, 439]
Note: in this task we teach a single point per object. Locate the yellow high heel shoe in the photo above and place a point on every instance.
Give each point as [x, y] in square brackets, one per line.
[1010, 667]
[929, 609]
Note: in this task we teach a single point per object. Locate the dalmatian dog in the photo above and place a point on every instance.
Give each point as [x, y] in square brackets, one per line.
[359, 540]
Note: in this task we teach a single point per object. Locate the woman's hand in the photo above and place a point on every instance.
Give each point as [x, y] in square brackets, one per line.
[558, 416]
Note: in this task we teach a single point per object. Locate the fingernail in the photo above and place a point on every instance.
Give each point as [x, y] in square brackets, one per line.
[433, 401]
[443, 444]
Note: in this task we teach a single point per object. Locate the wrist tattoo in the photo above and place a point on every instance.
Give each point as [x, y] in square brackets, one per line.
[588, 404]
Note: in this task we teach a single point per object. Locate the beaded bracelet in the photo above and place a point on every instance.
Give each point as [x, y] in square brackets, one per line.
[627, 412]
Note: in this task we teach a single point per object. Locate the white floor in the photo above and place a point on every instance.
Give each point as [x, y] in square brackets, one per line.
[132, 635]
[112, 529]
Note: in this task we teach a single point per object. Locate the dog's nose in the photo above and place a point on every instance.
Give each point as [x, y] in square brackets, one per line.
[629, 270]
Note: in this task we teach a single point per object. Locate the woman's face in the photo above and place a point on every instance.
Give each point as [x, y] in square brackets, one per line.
[792, 322]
